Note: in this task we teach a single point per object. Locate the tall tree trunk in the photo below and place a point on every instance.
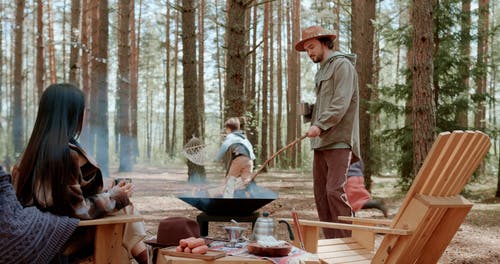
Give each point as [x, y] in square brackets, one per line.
[271, 82]
[265, 83]
[176, 59]
[135, 41]
[123, 92]
[64, 22]
[85, 137]
[235, 103]
[201, 65]
[52, 50]
[482, 61]
[190, 79]
[482, 71]
[167, 80]
[461, 117]
[336, 24]
[219, 66]
[40, 66]
[297, 162]
[75, 37]
[279, 79]
[363, 13]
[248, 71]
[252, 114]
[424, 112]
[99, 75]
[17, 106]
[375, 125]
[293, 82]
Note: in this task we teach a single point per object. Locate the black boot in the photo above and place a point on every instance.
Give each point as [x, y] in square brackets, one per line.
[377, 205]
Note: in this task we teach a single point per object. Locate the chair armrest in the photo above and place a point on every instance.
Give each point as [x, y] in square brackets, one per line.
[373, 229]
[113, 219]
[367, 221]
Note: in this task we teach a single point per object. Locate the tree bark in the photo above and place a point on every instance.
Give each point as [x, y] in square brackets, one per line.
[265, 83]
[75, 47]
[252, 114]
[190, 79]
[85, 137]
[424, 112]
[52, 50]
[482, 61]
[167, 80]
[336, 24]
[271, 83]
[234, 96]
[40, 66]
[17, 106]
[279, 80]
[201, 65]
[293, 82]
[123, 93]
[176, 59]
[461, 117]
[219, 66]
[363, 13]
[135, 41]
[99, 82]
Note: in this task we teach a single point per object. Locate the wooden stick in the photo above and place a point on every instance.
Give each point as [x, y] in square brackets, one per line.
[276, 154]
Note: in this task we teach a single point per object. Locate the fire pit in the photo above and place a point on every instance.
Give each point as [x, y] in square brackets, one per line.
[241, 208]
[244, 202]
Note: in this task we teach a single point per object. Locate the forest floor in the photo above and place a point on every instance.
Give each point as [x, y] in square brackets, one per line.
[156, 189]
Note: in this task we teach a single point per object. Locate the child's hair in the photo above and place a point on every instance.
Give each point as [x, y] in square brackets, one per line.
[232, 123]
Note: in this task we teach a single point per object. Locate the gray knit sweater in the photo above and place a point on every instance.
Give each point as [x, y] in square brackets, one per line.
[28, 235]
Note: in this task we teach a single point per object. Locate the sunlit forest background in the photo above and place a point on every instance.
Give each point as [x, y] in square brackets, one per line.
[158, 73]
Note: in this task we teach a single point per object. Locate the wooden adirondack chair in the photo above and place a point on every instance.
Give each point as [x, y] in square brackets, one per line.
[428, 218]
[108, 238]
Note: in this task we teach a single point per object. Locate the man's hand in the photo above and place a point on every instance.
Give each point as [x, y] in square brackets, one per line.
[313, 131]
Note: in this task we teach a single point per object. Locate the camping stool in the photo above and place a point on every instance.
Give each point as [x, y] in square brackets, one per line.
[203, 219]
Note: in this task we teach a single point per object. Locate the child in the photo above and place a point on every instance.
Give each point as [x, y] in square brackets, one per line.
[236, 153]
[357, 195]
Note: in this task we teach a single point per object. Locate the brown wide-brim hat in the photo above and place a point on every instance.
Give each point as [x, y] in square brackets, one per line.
[311, 33]
[173, 229]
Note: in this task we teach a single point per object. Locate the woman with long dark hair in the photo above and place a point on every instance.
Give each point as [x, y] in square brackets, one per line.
[55, 174]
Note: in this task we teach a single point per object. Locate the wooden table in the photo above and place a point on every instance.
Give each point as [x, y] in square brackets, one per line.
[165, 259]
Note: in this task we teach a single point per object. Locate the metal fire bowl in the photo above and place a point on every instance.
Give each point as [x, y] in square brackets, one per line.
[231, 206]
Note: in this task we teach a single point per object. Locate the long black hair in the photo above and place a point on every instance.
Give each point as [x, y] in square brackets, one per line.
[46, 166]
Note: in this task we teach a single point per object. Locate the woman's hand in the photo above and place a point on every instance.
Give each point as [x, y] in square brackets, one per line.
[121, 193]
[125, 188]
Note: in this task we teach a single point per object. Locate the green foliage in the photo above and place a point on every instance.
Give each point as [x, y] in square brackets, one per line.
[453, 94]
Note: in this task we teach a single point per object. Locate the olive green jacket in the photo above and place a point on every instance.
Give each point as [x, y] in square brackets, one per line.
[336, 111]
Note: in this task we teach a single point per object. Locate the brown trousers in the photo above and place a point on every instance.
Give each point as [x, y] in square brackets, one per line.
[329, 173]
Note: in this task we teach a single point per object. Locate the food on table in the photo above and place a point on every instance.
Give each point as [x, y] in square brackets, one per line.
[192, 245]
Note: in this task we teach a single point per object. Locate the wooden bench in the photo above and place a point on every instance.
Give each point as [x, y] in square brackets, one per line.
[108, 238]
[428, 218]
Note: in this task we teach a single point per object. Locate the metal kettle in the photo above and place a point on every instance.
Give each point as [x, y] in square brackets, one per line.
[264, 226]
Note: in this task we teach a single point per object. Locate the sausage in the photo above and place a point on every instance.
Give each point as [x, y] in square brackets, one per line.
[187, 250]
[200, 249]
[196, 242]
[184, 242]
[179, 249]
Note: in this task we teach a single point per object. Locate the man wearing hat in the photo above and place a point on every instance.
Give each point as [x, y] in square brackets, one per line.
[334, 130]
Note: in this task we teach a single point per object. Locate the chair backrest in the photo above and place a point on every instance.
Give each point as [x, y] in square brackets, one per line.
[433, 208]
